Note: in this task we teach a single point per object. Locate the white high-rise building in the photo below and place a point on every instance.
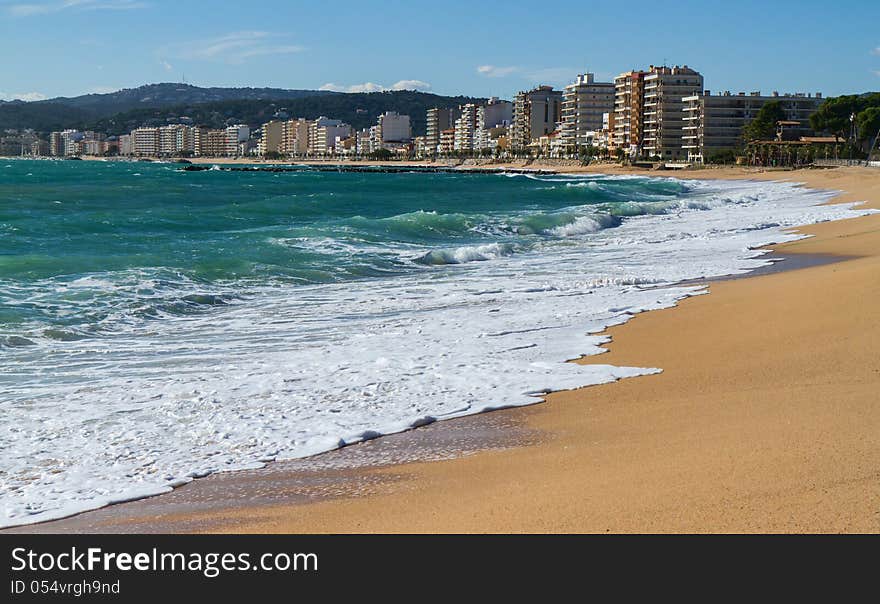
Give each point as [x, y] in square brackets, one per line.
[235, 136]
[323, 133]
[493, 115]
[583, 104]
[663, 109]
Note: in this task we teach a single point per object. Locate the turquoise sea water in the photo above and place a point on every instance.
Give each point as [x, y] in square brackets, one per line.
[159, 325]
[170, 241]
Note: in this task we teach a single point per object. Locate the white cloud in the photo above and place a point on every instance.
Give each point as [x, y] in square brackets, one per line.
[42, 8]
[373, 87]
[365, 87]
[22, 96]
[233, 47]
[166, 65]
[493, 71]
[411, 85]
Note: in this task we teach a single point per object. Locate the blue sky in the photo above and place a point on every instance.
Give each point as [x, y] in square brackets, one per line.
[479, 47]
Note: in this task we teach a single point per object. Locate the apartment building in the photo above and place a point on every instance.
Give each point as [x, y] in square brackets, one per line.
[56, 144]
[176, 139]
[492, 118]
[323, 133]
[394, 128]
[271, 138]
[627, 132]
[447, 141]
[364, 141]
[145, 142]
[465, 127]
[583, 104]
[437, 121]
[208, 142]
[235, 136]
[125, 147]
[535, 113]
[714, 123]
[295, 137]
[665, 89]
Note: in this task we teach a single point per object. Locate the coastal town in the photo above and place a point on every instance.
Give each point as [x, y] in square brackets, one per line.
[661, 113]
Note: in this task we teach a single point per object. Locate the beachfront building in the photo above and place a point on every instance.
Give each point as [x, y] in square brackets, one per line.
[365, 139]
[393, 128]
[663, 109]
[583, 104]
[437, 121]
[271, 138]
[493, 119]
[465, 126]
[176, 140]
[209, 142]
[235, 136]
[714, 123]
[295, 137]
[420, 147]
[535, 113]
[56, 144]
[626, 131]
[125, 147]
[346, 146]
[323, 133]
[447, 141]
[145, 142]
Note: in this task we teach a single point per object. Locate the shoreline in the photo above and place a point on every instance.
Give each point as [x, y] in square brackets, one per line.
[274, 518]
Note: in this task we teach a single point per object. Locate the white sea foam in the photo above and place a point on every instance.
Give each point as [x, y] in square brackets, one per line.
[467, 253]
[297, 371]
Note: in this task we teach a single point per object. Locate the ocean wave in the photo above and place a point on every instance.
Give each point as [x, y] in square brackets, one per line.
[584, 225]
[467, 253]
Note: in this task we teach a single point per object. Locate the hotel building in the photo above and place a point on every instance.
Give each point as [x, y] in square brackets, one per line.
[663, 109]
[583, 104]
[295, 137]
[271, 138]
[626, 133]
[465, 127]
[394, 128]
[323, 133]
[714, 123]
[145, 142]
[535, 113]
[437, 121]
[493, 119]
[235, 136]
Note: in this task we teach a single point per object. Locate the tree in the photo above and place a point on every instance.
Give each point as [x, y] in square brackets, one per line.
[834, 114]
[763, 126]
[868, 124]
[382, 154]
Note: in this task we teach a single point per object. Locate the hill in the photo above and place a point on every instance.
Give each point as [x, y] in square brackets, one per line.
[157, 104]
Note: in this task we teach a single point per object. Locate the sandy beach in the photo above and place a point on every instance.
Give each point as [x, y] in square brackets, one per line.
[766, 418]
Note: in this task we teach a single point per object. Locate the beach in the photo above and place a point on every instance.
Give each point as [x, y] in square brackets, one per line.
[764, 419]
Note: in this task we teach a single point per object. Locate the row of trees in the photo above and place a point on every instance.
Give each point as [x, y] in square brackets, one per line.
[853, 117]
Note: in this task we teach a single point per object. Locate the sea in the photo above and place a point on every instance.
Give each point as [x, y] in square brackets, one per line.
[158, 325]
